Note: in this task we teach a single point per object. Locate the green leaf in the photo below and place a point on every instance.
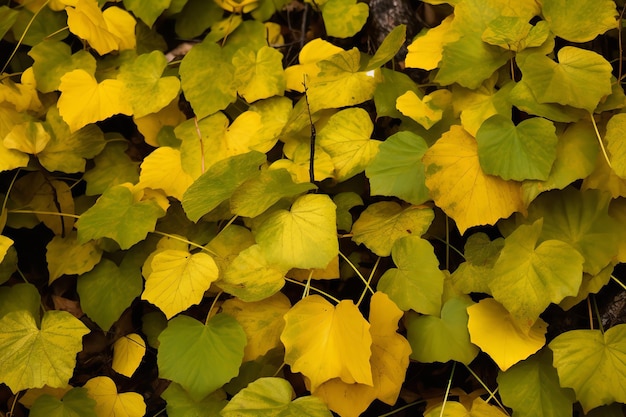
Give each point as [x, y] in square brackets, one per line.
[53, 59]
[382, 223]
[615, 129]
[397, 169]
[340, 82]
[481, 255]
[522, 97]
[525, 151]
[392, 86]
[259, 74]
[273, 397]
[259, 193]
[144, 87]
[388, 49]
[218, 183]
[116, 215]
[181, 404]
[344, 18]
[532, 389]
[593, 364]
[303, 237]
[417, 283]
[67, 152]
[197, 16]
[570, 19]
[113, 167]
[51, 349]
[581, 219]
[177, 279]
[207, 97]
[201, 357]
[442, 339]
[76, 403]
[346, 138]
[250, 277]
[65, 256]
[20, 297]
[344, 202]
[37, 28]
[528, 276]
[580, 79]
[107, 290]
[8, 17]
[148, 11]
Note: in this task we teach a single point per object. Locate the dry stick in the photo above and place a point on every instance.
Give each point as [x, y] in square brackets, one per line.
[313, 134]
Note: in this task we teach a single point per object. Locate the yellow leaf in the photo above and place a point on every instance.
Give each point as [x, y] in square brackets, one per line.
[162, 169]
[29, 137]
[310, 54]
[389, 362]
[426, 111]
[86, 21]
[128, 351]
[262, 321]
[83, 100]
[121, 24]
[178, 279]
[478, 408]
[241, 136]
[150, 124]
[426, 50]
[323, 341]
[493, 329]
[23, 96]
[109, 403]
[459, 186]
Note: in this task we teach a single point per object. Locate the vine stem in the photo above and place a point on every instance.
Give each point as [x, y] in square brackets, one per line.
[325, 294]
[180, 239]
[208, 315]
[492, 394]
[595, 127]
[355, 269]
[46, 213]
[367, 284]
[307, 287]
[445, 398]
[404, 407]
[620, 283]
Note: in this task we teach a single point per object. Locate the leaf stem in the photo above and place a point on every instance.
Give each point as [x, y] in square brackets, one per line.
[225, 227]
[44, 213]
[367, 284]
[492, 394]
[293, 281]
[590, 313]
[355, 269]
[208, 315]
[449, 245]
[595, 127]
[190, 243]
[307, 287]
[445, 398]
[404, 407]
[620, 283]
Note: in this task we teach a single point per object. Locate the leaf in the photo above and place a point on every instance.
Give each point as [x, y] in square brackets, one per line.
[8, 17]
[261, 320]
[580, 79]
[340, 82]
[218, 183]
[67, 152]
[113, 167]
[303, 237]
[461, 188]
[528, 275]
[53, 59]
[346, 138]
[493, 329]
[389, 361]
[259, 74]
[311, 53]
[570, 20]
[425, 110]
[201, 357]
[481, 254]
[344, 18]
[29, 137]
[147, 11]
[388, 49]
[196, 16]
[144, 87]
[273, 397]
[382, 223]
[515, 33]
[8, 258]
[478, 105]
[116, 215]
[110, 403]
[477, 408]
[417, 283]
[532, 388]
[426, 50]
[65, 256]
[163, 169]
[83, 100]
[177, 279]
[444, 338]
[107, 290]
[111, 30]
[19, 298]
[614, 132]
[581, 219]
[251, 277]
[592, 364]
[207, 97]
[261, 192]
[75, 403]
[323, 341]
[181, 404]
[128, 352]
[344, 202]
[525, 151]
[50, 350]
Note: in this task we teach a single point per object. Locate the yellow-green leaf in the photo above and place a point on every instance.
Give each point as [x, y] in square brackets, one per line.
[344, 18]
[570, 20]
[323, 341]
[128, 351]
[177, 279]
[30, 137]
[425, 110]
[259, 74]
[66, 256]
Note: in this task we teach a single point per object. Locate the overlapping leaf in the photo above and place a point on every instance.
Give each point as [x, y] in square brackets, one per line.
[75, 403]
[570, 20]
[66, 256]
[111, 403]
[181, 404]
[128, 352]
[163, 169]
